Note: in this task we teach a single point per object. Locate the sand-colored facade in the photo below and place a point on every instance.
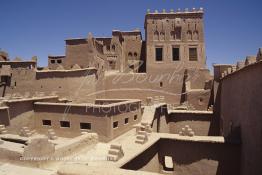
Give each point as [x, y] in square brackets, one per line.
[127, 105]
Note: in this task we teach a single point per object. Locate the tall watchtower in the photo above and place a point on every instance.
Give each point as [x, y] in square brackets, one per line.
[175, 40]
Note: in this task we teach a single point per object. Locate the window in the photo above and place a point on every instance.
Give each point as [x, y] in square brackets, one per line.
[175, 52]
[178, 33]
[189, 35]
[53, 61]
[126, 120]
[192, 54]
[135, 117]
[112, 64]
[113, 47]
[108, 48]
[115, 124]
[130, 54]
[161, 84]
[159, 54]
[85, 125]
[65, 124]
[59, 61]
[46, 122]
[135, 54]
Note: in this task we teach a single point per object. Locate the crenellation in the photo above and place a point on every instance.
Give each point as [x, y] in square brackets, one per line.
[240, 65]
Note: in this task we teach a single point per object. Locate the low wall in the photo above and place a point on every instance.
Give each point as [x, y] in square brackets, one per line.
[189, 157]
[20, 106]
[4, 116]
[198, 121]
[64, 73]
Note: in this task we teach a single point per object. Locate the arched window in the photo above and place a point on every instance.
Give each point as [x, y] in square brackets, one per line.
[156, 35]
[107, 48]
[172, 34]
[135, 54]
[178, 33]
[195, 35]
[162, 35]
[189, 35]
[130, 54]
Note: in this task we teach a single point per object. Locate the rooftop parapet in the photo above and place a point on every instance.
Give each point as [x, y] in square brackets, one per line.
[240, 65]
[259, 54]
[250, 60]
[178, 11]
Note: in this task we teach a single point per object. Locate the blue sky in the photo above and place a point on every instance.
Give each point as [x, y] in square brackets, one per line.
[39, 27]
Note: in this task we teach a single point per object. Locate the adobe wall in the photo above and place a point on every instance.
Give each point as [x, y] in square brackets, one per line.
[198, 122]
[101, 118]
[198, 99]
[142, 85]
[159, 28]
[241, 111]
[74, 85]
[189, 158]
[78, 52]
[4, 119]
[20, 106]
[198, 78]
[200, 158]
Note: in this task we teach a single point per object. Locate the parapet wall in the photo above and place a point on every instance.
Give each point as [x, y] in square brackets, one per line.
[198, 121]
[75, 85]
[241, 103]
[19, 106]
[198, 156]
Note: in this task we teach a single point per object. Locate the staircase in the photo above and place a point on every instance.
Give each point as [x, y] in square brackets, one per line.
[51, 134]
[25, 132]
[3, 129]
[115, 152]
[141, 137]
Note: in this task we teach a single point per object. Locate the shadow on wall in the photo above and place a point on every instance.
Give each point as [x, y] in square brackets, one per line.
[215, 121]
[160, 121]
[189, 158]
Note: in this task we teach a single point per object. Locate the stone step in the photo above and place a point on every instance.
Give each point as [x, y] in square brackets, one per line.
[144, 123]
[116, 146]
[112, 158]
[2, 129]
[113, 152]
[191, 134]
[142, 133]
[51, 133]
[33, 131]
[4, 132]
[26, 130]
[53, 137]
[143, 137]
[140, 141]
